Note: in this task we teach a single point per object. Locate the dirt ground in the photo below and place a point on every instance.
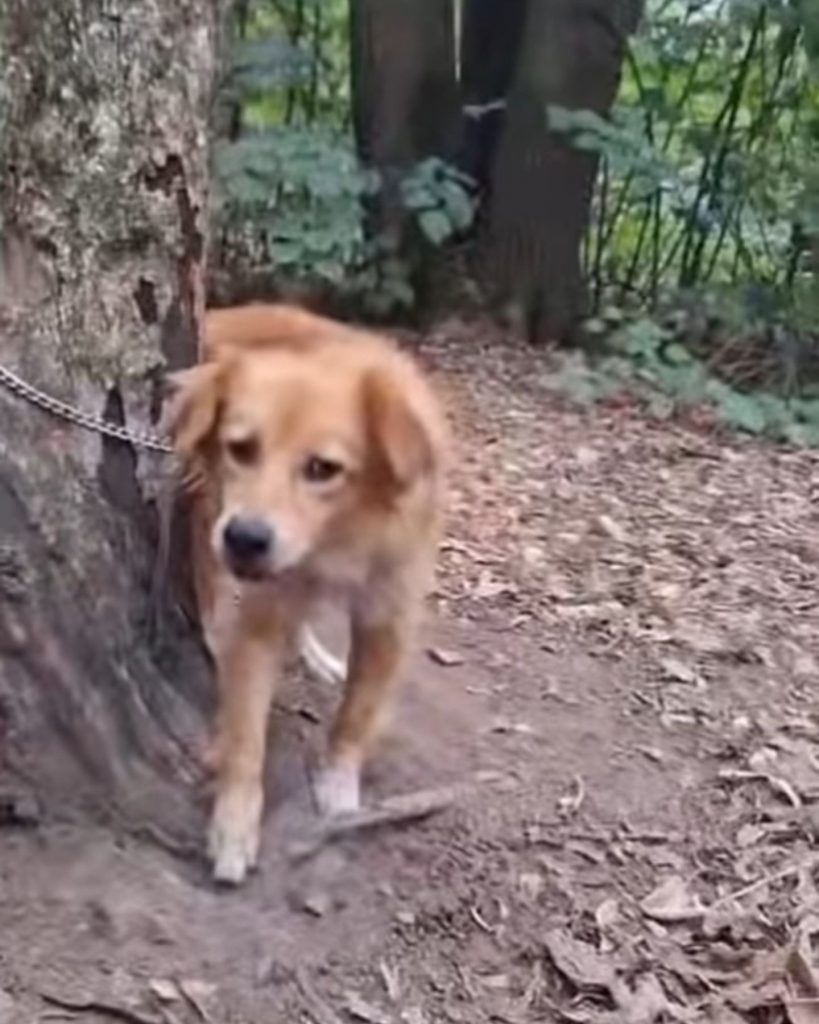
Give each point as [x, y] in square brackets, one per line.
[621, 665]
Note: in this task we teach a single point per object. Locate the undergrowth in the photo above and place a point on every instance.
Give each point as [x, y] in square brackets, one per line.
[646, 360]
[292, 199]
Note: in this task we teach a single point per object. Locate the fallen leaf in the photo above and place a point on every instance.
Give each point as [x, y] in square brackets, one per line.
[531, 885]
[165, 990]
[646, 1003]
[488, 587]
[199, 994]
[802, 1000]
[495, 981]
[586, 457]
[413, 1015]
[316, 903]
[588, 972]
[764, 987]
[778, 785]
[86, 1003]
[672, 903]
[607, 914]
[723, 1015]
[612, 528]
[579, 962]
[504, 726]
[727, 916]
[805, 666]
[750, 834]
[570, 803]
[673, 668]
[806, 895]
[534, 555]
[446, 658]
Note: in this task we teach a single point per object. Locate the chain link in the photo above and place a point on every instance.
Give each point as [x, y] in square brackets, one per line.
[86, 420]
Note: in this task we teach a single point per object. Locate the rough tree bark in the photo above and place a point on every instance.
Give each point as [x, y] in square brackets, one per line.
[489, 47]
[571, 54]
[404, 90]
[104, 105]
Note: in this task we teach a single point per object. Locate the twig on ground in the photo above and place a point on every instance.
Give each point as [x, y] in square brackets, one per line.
[392, 811]
[114, 1010]
[480, 921]
[778, 785]
[776, 876]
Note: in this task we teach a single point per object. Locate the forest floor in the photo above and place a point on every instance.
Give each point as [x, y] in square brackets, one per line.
[622, 665]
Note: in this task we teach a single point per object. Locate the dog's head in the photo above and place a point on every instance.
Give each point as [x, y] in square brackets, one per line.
[302, 447]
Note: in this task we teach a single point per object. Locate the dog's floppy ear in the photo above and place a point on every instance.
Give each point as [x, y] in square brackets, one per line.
[194, 406]
[401, 444]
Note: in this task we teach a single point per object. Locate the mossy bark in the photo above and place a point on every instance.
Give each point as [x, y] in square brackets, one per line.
[103, 172]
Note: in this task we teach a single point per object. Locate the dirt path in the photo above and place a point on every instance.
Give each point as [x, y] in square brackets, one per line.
[627, 620]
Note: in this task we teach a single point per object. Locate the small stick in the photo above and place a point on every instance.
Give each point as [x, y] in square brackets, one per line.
[122, 1013]
[777, 876]
[394, 810]
[781, 786]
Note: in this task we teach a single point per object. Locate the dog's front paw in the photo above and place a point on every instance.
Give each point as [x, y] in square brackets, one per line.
[233, 839]
[338, 789]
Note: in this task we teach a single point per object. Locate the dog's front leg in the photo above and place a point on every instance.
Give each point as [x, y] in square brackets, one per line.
[376, 657]
[248, 664]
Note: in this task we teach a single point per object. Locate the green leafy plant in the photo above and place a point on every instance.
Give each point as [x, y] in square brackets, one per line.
[707, 187]
[644, 359]
[440, 198]
[623, 143]
[258, 66]
[291, 199]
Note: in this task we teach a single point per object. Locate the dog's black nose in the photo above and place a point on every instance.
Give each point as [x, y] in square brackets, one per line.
[247, 538]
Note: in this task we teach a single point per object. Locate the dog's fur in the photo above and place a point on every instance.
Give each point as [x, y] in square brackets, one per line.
[331, 440]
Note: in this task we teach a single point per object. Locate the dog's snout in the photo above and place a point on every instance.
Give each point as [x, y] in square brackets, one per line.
[248, 538]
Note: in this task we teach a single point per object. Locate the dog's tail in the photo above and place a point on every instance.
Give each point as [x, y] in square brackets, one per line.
[324, 665]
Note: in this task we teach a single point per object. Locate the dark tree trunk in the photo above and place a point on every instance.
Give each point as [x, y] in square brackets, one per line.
[103, 206]
[240, 15]
[491, 37]
[404, 90]
[571, 55]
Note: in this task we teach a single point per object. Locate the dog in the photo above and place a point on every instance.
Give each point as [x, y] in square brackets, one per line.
[315, 456]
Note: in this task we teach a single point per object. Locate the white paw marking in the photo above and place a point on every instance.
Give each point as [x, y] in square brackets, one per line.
[233, 838]
[338, 789]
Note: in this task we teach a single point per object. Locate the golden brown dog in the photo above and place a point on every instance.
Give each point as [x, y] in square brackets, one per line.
[315, 455]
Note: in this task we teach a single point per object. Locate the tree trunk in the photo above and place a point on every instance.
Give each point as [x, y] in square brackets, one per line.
[103, 165]
[490, 49]
[404, 91]
[571, 55]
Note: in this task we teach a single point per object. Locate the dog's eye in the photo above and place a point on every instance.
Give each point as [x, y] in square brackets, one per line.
[319, 471]
[243, 450]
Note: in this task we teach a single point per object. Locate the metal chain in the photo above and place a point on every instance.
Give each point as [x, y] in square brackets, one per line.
[88, 421]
